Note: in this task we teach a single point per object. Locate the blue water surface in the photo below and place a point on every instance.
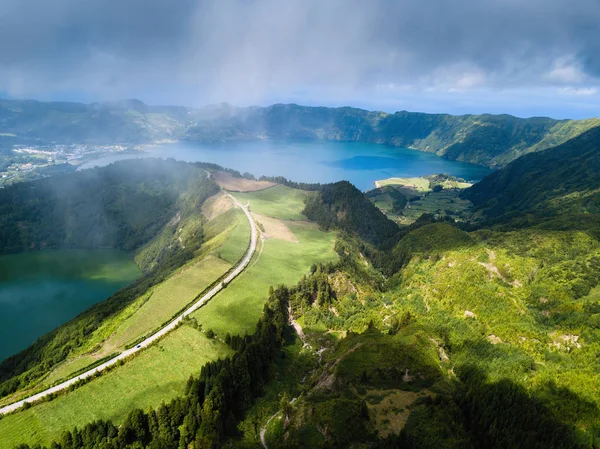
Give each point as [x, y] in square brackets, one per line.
[315, 161]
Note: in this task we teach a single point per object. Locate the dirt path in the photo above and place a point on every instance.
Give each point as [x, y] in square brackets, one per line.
[263, 430]
[157, 335]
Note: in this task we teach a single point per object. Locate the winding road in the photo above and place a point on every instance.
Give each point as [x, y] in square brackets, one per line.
[162, 332]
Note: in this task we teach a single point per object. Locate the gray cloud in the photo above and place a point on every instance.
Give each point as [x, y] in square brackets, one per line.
[255, 51]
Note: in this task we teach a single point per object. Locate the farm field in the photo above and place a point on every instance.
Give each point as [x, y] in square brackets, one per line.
[418, 201]
[418, 184]
[423, 184]
[279, 201]
[169, 298]
[238, 307]
[237, 239]
[146, 381]
[437, 203]
[278, 261]
[228, 182]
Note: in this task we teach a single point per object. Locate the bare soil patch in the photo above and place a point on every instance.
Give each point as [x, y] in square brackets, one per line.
[216, 205]
[272, 228]
[228, 182]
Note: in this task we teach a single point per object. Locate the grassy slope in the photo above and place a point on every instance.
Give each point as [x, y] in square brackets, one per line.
[149, 379]
[169, 298]
[279, 202]
[237, 241]
[227, 234]
[418, 184]
[237, 309]
[145, 381]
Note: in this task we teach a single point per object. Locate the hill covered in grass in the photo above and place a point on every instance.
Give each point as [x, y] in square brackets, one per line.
[491, 140]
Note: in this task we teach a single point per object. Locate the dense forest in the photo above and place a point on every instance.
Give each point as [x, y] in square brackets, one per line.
[491, 140]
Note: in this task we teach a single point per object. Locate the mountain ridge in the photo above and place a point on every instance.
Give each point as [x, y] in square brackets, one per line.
[485, 139]
[561, 181]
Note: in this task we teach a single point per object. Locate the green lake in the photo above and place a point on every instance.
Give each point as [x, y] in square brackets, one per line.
[41, 290]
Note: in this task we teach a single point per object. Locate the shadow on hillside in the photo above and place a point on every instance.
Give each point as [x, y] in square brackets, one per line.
[499, 414]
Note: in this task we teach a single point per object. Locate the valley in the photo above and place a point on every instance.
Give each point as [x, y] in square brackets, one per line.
[299, 225]
[416, 314]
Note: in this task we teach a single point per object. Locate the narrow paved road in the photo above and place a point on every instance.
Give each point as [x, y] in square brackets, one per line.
[165, 330]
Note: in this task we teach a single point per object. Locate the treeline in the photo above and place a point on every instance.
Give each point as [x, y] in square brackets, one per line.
[294, 185]
[232, 172]
[343, 206]
[213, 401]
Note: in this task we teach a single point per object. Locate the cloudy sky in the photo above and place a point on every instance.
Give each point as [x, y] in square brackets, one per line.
[524, 57]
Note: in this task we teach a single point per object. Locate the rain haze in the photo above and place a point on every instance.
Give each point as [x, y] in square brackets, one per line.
[501, 56]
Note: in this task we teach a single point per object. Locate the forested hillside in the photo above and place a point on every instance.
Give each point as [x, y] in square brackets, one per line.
[560, 182]
[491, 140]
[135, 205]
[122, 205]
[343, 206]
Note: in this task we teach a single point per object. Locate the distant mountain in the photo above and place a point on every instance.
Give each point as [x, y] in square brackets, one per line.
[560, 181]
[491, 140]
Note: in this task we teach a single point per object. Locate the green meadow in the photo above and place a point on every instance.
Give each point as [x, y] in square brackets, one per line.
[145, 381]
[279, 202]
[238, 307]
[445, 202]
[149, 378]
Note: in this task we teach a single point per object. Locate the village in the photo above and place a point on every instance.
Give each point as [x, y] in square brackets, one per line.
[27, 162]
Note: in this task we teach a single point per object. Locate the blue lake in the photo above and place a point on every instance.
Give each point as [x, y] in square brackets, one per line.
[359, 163]
[40, 290]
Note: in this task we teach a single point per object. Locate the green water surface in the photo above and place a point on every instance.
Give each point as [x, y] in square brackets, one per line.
[40, 290]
